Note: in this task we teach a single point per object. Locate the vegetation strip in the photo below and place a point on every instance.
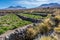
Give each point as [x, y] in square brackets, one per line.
[31, 16]
[10, 22]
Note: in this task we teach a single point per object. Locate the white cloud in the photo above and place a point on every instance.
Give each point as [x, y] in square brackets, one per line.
[36, 2]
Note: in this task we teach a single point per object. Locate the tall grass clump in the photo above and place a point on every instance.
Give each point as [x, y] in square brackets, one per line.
[48, 38]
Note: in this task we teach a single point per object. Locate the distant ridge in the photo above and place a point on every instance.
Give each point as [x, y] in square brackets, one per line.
[50, 5]
[14, 8]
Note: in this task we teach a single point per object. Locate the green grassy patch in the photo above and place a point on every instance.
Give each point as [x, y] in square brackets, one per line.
[10, 22]
[31, 16]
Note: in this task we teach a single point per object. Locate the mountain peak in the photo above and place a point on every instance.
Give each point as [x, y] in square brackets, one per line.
[51, 5]
[15, 8]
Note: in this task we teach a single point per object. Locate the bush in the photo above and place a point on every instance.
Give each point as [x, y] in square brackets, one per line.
[48, 38]
[31, 33]
[44, 29]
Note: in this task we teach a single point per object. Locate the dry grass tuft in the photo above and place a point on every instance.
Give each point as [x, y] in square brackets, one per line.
[48, 38]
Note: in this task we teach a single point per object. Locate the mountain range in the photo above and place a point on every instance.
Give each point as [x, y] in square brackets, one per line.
[15, 8]
[50, 5]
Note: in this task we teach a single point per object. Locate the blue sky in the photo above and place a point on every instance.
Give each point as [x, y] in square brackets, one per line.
[25, 3]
